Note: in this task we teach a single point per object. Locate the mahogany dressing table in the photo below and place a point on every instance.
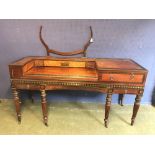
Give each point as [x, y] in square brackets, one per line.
[110, 76]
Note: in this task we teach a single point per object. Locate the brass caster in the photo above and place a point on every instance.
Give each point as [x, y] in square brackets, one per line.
[45, 121]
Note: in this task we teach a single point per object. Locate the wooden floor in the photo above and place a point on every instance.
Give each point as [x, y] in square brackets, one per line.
[76, 118]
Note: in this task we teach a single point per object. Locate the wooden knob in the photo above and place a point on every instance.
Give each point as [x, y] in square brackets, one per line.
[132, 76]
[111, 78]
[64, 64]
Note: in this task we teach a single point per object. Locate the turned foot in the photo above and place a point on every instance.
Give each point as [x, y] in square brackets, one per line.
[107, 107]
[17, 103]
[19, 119]
[132, 121]
[106, 123]
[44, 106]
[45, 121]
[136, 106]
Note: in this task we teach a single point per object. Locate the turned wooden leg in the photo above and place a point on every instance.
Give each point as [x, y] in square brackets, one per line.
[121, 99]
[44, 106]
[30, 93]
[136, 106]
[107, 107]
[17, 103]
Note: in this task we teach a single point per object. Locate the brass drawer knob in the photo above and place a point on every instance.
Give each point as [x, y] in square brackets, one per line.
[111, 78]
[64, 64]
[132, 76]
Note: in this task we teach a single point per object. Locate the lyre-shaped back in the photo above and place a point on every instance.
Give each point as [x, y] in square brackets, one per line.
[81, 51]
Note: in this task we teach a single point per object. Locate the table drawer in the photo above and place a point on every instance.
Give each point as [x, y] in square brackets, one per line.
[64, 63]
[121, 77]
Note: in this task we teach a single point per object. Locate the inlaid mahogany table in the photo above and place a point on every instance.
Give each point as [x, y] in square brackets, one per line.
[110, 76]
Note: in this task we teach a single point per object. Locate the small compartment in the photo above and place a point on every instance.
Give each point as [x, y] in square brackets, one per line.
[121, 77]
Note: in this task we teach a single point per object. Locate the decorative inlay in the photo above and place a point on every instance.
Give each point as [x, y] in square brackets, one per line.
[74, 84]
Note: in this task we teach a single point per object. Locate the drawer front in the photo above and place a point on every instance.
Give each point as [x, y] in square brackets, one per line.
[27, 87]
[118, 77]
[64, 63]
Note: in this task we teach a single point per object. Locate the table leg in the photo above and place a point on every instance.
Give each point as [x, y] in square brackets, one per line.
[17, 103]
[136, 106]
[107, 107]
[121, 99]
[44, 106]
[30, 93]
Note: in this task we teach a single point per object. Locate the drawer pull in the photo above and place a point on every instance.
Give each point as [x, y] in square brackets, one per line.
[64, 64]
[132, 76]
[111, 78]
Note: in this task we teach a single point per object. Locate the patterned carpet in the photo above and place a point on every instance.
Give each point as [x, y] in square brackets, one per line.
[75, 118]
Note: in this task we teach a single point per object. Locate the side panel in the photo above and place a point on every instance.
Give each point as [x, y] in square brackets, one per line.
[15, 71]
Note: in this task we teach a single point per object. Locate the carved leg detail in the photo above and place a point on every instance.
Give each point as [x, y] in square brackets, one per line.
[44, 106]
[17, 103]
[121, 99]
[136, 107]
[107, 107]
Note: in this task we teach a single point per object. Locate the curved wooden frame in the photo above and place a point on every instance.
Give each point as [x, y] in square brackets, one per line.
[82, 51]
